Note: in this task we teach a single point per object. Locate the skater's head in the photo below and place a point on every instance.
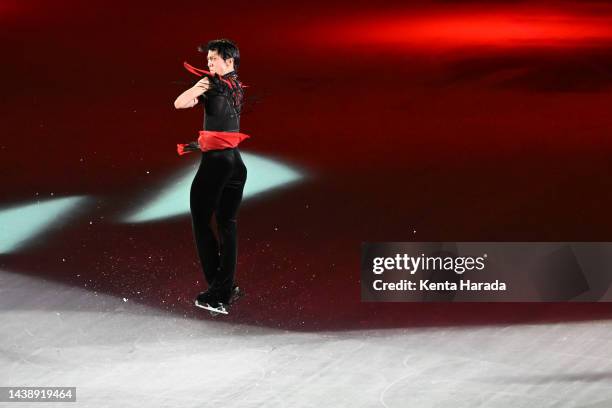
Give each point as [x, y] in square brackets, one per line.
[222, 55]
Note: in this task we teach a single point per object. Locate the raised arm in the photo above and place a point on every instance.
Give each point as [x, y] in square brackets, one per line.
[189, 98]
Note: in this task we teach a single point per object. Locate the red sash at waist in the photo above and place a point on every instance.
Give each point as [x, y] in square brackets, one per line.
[215, 140]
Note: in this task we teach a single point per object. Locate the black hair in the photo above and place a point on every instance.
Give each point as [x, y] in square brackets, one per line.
[225, 48]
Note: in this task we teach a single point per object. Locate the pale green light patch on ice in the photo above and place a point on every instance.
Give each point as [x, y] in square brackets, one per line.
[263, 175]
[20, 224]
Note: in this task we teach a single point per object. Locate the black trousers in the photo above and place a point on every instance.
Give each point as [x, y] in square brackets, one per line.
[217, 190]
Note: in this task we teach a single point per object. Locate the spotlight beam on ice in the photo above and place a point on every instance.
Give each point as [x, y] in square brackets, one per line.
[19, 225]
[263, 175]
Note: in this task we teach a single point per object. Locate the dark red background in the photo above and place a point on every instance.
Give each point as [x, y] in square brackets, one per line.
[471, 137]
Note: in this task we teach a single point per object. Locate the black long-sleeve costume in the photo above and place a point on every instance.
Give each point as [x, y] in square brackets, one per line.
[217, 189]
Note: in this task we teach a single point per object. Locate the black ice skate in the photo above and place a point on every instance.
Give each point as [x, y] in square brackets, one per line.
[216, 308]
[204, 301]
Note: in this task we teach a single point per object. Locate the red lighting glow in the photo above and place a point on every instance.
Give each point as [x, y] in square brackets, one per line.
[470, 28]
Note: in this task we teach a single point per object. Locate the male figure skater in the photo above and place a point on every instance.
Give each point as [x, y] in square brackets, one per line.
[219, 182]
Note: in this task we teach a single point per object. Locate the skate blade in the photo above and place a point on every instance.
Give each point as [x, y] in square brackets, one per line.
[213, 310]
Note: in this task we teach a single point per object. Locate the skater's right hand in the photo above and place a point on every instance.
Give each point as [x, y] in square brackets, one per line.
[202, 85]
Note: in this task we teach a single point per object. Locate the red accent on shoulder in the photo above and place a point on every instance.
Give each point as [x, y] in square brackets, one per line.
[201, 72]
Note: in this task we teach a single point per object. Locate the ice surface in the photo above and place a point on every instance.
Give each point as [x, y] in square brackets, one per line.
[122, 354]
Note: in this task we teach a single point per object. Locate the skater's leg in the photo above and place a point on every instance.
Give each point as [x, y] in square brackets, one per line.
[226, 215]
[205, 195]
[206, 245]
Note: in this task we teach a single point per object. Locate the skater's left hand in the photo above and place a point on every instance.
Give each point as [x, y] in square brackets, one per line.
[193, 146]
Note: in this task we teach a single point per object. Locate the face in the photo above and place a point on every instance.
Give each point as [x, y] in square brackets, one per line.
[218, 65]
